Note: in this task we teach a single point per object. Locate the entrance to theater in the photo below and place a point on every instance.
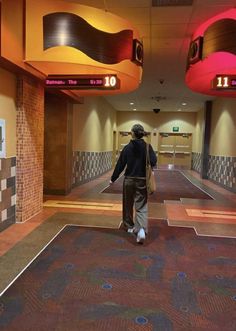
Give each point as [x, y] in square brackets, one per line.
[175, 149]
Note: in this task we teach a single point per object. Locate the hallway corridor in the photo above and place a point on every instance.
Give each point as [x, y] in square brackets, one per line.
[75, 266]
[87, 206]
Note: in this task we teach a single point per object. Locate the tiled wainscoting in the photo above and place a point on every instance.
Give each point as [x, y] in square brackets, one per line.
[196, 161]
[222, 170]
[89, 165]
[7, 192]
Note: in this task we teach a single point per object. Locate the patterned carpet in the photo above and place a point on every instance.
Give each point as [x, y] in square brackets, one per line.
[171, 185]
[99, 279]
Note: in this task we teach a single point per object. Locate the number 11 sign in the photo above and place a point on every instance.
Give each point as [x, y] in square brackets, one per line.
[224, 82]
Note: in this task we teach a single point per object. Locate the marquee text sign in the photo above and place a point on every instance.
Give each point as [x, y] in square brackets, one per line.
[83, 82]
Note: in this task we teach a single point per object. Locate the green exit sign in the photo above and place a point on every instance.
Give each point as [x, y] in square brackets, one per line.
[175, 129]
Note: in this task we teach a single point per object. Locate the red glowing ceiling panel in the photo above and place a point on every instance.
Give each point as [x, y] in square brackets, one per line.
[212, 56]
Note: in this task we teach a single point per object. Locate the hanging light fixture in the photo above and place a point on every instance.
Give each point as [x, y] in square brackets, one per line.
[211, 62]
[65, 40]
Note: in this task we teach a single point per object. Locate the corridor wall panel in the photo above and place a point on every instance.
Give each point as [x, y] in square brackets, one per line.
[222, 170]
[199, 128]
[8, 161]
[198, 142]
[222, 152]
[7, 192]
[29, 162]
[223, 127]
[57, 145]
[196, 162]
[8, 109]
[93, 125]
[90, 165]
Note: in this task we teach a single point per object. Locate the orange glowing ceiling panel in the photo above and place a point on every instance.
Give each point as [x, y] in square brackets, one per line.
[65, 38]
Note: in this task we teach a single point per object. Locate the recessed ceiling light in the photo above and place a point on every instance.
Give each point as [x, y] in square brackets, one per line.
[134, 108]
[131, 103]
[179, 110]
[184, 103]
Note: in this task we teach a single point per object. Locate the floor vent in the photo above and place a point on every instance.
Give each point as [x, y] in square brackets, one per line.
[165, 3]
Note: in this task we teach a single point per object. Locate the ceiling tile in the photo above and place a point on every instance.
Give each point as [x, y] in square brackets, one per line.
[165, 15]
[144, 30]
[168, 30]
[159, 43]
[127, 3]
[134, 15]
[164, 3]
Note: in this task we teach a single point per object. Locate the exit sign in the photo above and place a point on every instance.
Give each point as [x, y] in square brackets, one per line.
[175, 129]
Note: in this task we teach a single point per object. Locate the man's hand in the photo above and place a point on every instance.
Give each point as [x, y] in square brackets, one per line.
[111, 182]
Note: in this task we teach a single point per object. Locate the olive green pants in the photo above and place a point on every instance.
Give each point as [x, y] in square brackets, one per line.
[135, 201]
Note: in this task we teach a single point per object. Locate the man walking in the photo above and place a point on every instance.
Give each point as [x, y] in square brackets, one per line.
[133, 158]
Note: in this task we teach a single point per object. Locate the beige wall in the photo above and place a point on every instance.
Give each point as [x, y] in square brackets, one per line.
[8, 109]
[155, 123]
[223, 127]
[198, 136]
[12, 34]
[12, 31]
[93, 125]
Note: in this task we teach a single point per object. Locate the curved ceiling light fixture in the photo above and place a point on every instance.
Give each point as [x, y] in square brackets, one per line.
[211, 62]
[64, 29]
[64, 38]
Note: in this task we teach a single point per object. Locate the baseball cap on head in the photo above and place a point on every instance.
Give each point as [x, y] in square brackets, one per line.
[138, 130]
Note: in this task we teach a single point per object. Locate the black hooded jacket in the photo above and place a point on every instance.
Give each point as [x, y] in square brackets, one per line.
[133, 157]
